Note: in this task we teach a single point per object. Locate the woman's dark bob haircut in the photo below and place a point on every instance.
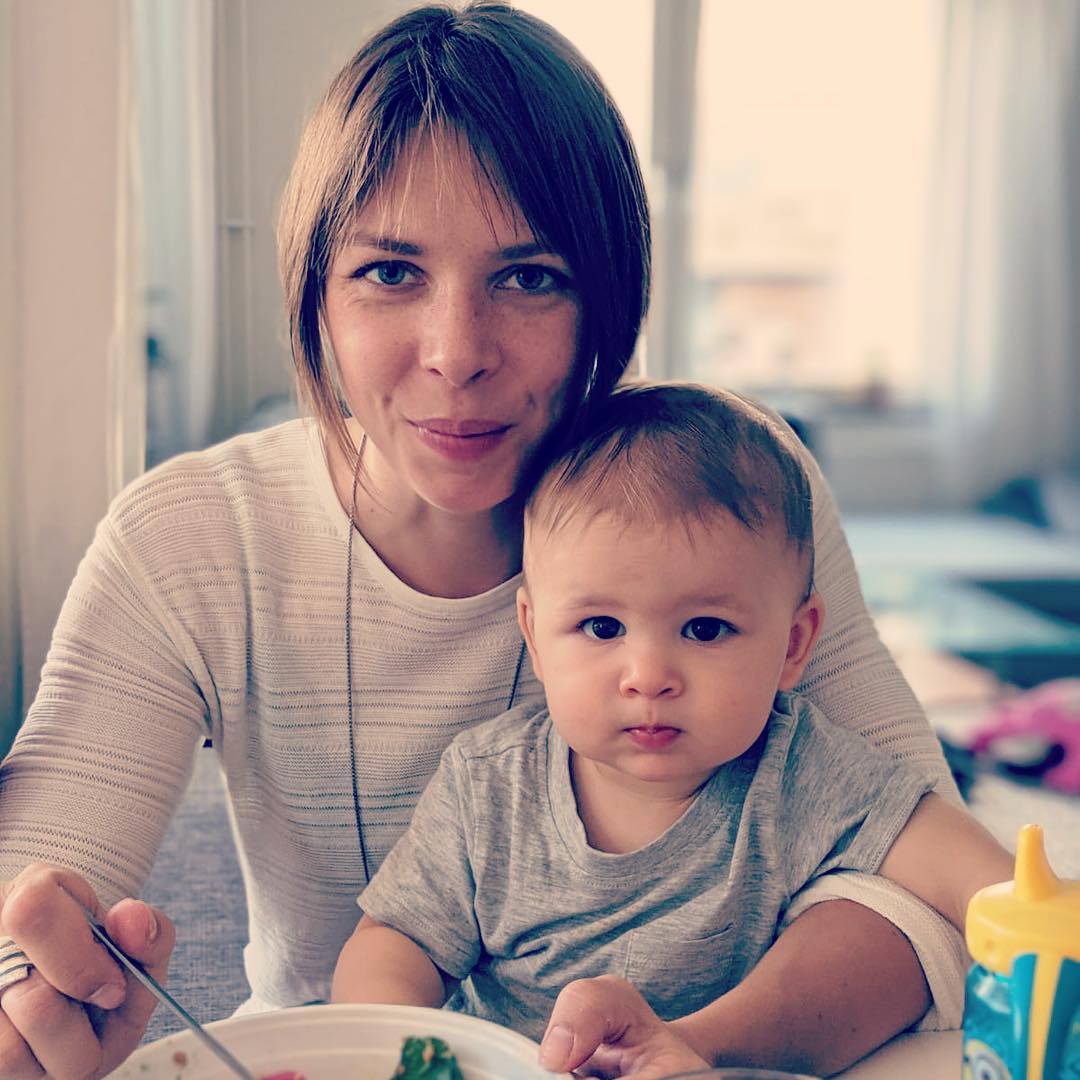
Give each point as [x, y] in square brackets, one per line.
[546, 136]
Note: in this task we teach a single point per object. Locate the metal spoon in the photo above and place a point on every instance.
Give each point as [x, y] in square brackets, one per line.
[166, 998]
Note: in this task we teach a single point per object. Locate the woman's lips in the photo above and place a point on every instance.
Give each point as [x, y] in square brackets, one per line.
[461, 440]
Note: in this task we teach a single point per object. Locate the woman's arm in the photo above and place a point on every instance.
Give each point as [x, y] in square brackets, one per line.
[108, 745]
[944, 856]
[854, 680]
[85, 795]
[839, 982]
[378, 964]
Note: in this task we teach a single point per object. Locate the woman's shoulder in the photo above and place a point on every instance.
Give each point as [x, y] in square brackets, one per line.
[248, 466]
[273, 480]
[268, 449]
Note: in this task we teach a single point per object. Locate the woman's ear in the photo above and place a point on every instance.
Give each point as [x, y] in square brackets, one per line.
[806, 625]
[525, 621]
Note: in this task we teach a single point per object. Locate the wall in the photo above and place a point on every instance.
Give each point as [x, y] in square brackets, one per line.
[10, 634]
[63, 91]
[879, 461]
[174, 48]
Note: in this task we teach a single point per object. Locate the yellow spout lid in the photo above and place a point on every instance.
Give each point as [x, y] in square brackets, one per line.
[1035, 913]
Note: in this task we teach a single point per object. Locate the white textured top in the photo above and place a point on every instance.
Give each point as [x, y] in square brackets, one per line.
[211, 602]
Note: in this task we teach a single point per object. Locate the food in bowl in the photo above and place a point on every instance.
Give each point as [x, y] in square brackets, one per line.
[426, 1059]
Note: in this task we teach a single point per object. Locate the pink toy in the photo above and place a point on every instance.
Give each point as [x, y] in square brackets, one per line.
[1050, 712]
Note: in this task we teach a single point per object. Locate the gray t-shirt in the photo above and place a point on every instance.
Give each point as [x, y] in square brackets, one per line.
[496, 881]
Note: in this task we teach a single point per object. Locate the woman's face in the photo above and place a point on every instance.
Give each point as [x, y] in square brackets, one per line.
[454, 333]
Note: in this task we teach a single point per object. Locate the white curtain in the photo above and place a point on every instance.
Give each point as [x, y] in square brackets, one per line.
[1001, 334]
[175, 41]
[126, 368]
[10, 458]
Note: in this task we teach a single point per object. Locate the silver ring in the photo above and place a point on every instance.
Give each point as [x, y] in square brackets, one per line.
[14, 964]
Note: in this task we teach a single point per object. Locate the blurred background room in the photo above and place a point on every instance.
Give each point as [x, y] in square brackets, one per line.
[866, 213]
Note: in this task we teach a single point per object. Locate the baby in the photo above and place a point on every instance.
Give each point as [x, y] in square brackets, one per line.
[654, 821]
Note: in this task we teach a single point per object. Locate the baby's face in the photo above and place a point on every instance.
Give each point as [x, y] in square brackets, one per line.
[661, 648]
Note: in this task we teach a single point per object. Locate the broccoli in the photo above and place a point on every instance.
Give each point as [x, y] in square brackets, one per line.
[426, 1059]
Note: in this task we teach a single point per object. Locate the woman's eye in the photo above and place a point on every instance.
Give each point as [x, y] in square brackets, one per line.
[705, 628]
[385, 273]
[531, 278]
[602, 628]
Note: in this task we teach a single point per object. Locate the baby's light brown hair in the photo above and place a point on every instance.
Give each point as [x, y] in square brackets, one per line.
[664, 452]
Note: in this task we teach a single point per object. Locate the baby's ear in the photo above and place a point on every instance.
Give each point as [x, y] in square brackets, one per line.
[525, 621]
[806, 625]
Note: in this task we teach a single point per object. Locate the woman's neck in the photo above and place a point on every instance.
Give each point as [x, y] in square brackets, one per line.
[431, 550]
[439, 554]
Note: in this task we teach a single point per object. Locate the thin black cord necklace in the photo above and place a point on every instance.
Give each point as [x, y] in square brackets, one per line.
[349, 664]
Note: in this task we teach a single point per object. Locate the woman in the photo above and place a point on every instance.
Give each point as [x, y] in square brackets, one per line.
[465, 255]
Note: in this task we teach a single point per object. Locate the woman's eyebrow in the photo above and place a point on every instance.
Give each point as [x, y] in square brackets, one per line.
[358, 238]
[527, 250]
[383, 243]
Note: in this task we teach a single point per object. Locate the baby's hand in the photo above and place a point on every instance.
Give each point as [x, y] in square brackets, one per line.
[604, 1027]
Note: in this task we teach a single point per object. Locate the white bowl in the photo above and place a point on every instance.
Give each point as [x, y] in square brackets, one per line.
[339, 1042]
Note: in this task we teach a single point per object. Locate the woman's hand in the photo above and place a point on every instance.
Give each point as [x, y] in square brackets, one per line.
[604, 1027]
[77, 1015]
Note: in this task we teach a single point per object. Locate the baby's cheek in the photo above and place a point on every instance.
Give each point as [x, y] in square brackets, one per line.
[570, 700]
[575, 681]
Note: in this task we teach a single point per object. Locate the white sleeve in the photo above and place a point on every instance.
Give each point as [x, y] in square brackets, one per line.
[108, 745]
[854, 680]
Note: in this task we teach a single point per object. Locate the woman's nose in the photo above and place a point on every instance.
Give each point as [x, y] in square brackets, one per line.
[649, 673]
[459, 343]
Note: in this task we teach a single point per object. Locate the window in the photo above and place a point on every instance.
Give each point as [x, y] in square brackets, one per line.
[799, 265]
[811, 153]
[617, 38]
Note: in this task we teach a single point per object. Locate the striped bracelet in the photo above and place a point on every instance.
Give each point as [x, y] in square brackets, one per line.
[14, 964]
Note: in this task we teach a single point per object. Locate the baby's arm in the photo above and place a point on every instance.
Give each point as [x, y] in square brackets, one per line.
[379, 964]
[943, 856]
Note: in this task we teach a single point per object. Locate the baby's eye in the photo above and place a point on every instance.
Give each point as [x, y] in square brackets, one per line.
[389, 272]
[602, 628]
[531, 278]
[705, 628]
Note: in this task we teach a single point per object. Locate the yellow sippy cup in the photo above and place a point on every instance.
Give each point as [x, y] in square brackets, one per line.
[1022, 1000]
